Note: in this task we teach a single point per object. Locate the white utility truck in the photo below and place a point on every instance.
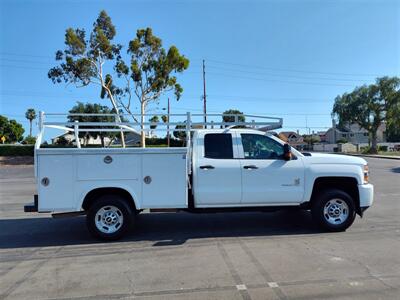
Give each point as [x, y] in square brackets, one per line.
[228, 169]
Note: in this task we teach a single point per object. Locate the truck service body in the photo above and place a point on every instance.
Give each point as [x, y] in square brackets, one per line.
[220, 169]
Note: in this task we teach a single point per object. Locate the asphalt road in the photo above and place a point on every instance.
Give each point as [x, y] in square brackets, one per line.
[212, 256]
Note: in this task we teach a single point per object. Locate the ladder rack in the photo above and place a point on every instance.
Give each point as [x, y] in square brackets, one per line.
[186, 122]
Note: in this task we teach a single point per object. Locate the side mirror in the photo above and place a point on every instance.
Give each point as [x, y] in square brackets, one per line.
[287, 152]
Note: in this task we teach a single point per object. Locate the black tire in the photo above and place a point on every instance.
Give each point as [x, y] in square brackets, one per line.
[113, 208]
[326, 206]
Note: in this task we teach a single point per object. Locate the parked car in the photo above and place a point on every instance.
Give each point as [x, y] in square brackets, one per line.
[221, 170]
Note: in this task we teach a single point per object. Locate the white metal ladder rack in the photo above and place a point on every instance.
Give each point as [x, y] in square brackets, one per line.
[186, 124]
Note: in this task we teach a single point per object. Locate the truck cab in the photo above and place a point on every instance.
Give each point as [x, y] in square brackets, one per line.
[242, 168]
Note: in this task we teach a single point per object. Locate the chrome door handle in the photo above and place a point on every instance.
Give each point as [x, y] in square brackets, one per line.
[207, 167]
[251, 167]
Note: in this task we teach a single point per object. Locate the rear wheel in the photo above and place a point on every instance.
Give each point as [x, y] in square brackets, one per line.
[334, 210]
[109, 218]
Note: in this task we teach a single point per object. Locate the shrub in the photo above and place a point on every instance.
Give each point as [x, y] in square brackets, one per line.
[29, 140]
[16, 150]
[163, 141]
[365, 150]
[383, 148]
[342, 141]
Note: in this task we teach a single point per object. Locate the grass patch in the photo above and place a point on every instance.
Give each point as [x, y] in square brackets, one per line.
[390, 153]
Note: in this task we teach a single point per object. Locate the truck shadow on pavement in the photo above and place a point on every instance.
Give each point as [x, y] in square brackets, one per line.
[396, 170]
[162, 229]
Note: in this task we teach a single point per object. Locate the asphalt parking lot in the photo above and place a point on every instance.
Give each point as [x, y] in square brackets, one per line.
[211, 256]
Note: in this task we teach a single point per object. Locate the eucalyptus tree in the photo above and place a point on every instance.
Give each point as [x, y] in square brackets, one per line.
[145, 70]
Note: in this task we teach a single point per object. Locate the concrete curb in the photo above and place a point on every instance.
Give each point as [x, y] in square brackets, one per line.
[374, 156]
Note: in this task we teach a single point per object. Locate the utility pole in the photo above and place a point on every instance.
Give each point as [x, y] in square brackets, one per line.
[168, 124]
[204, 94]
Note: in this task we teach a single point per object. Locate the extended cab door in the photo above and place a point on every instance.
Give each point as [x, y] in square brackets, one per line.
[266, 177]
[217, 173]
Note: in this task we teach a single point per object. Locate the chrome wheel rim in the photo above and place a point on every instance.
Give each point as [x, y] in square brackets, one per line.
[336, 211]
[109, 219]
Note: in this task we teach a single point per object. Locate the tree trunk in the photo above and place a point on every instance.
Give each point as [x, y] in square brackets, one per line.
[30, 127]
[142, 120]
[374, 142]
[116, 113]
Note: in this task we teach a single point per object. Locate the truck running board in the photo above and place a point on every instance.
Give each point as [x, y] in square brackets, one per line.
[157, 210]
[68, 214]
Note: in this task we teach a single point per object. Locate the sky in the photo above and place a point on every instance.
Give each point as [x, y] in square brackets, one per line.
[286, 59]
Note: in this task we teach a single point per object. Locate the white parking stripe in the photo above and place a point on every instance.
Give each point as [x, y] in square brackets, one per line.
[273, 284]
[241, 287]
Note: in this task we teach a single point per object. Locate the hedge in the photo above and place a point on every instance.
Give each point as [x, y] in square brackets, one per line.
[16, 150]
[163, 141]
[27, 150]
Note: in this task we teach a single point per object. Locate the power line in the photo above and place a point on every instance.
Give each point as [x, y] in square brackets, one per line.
[23, 67]
[285, 76]
[88, 98]
[264, 98]
[290, 70]
[279, 81]
[27, 61]
[26, 55]
[254, 113]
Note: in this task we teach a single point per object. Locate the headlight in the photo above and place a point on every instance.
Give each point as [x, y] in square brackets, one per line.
[366, 174]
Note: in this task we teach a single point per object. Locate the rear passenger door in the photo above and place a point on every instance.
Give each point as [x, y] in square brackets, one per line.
[217, 177]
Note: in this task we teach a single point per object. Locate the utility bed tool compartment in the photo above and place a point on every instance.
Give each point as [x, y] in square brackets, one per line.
[56, 182]
[164, 180]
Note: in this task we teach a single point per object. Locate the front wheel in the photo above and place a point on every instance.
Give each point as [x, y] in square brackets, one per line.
[109, 218]
[334, 210]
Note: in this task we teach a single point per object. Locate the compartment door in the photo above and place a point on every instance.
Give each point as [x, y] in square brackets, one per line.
[164, 180]
[56, 182]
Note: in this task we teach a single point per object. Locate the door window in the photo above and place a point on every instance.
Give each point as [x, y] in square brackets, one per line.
[218, 145]
[257, 146]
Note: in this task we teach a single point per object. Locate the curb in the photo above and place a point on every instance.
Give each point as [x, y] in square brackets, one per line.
[375, 156]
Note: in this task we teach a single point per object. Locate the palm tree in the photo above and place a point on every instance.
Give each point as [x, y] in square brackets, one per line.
[30, 115]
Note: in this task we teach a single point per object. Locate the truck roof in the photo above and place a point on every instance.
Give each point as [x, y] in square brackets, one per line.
[221, 130]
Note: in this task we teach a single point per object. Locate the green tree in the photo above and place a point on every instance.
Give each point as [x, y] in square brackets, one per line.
[231, 119]
[311, 139]
[29, 140]
[180, 134]
[90, 108]
[147, 75]
[11, 130]
[30, 114]
[369, 106]
[390, 89]
[154, 119]
[62, 141]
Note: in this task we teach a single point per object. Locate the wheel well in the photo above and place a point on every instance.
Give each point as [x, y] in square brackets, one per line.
[345, 184]
[91, 197]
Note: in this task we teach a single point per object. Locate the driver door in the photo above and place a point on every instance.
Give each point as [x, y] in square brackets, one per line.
[266, 177]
